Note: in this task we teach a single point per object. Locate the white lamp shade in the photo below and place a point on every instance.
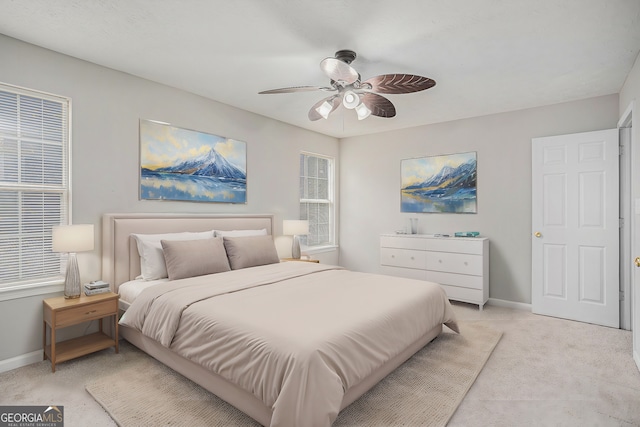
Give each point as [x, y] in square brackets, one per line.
[291, 227]
[363, 112]
[325, 109]
[72, 238]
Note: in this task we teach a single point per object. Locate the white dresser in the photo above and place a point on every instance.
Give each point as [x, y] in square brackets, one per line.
[459, 264]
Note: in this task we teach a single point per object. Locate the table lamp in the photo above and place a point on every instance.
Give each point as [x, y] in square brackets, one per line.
[72, 239]
[295, 228]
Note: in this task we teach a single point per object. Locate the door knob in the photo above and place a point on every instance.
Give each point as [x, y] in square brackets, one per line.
[637, 261]
[537, 234]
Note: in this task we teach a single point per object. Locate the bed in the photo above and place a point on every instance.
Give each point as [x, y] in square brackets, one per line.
[287, 343]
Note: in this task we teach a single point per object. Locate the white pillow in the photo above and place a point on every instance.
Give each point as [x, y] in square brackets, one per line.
[152, 264]
[240, 233]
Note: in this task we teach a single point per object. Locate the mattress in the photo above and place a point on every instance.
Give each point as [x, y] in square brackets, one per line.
[130, 290]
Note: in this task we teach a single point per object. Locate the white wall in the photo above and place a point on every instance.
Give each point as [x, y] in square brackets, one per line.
[370, 184]
[107, 106]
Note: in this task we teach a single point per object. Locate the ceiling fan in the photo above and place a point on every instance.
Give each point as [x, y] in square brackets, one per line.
[353, 93]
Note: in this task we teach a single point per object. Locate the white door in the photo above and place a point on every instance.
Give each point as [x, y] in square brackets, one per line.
[635, 247]
[575, 227]
[635, 293]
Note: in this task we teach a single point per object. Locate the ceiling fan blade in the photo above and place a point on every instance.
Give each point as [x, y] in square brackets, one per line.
[339, 71]
[379, 105]
[295, 89]
[399, 83]
[334, 100]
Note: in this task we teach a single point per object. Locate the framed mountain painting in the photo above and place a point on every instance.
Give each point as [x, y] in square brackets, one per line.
[441, 184]
[183, 164]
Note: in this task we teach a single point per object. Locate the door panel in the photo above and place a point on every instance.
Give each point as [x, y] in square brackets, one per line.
[555, 190]
[555, 261]
[575, 227]
[592, 277]
[592, 199]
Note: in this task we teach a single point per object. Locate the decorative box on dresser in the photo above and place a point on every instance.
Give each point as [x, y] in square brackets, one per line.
[459, 264]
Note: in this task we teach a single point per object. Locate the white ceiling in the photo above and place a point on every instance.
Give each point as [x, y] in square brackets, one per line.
[487, 56]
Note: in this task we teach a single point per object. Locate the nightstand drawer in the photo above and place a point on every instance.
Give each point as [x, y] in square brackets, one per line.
[83, 313]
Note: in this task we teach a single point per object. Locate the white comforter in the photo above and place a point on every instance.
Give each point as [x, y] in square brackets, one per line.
[295, 334]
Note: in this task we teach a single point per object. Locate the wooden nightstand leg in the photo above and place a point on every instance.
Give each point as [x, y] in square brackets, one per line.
[100, 323]
[44, 340]
[53, 349]
[116, 334]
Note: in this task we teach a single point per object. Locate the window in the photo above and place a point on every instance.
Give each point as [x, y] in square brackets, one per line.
[317, 199]
[34, 185]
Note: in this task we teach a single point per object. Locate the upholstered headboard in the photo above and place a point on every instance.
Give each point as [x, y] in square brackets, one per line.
[120, 259]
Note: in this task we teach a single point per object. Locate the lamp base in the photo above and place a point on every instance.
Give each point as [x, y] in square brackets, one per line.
[295, 248]
[72, 288]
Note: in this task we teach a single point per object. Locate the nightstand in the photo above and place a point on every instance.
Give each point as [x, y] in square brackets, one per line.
[60, 312]
[301, 259]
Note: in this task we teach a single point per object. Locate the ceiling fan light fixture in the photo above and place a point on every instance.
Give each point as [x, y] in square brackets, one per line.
[363, 112]
[324, 109]
[350, 99]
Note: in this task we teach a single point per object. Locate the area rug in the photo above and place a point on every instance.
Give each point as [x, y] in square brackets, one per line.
[424, 391]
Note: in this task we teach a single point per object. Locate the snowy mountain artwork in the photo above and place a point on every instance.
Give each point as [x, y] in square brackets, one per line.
[182, 164]
[444, 184]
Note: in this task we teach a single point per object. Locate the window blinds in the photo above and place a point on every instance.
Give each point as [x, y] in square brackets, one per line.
[34, 183]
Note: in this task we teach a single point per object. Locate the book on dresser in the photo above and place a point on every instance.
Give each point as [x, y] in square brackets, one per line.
[459, 264]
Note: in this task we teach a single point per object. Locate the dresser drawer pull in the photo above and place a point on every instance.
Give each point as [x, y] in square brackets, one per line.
[440, 261]
[412, 258]
[466, 263]
[90, 312]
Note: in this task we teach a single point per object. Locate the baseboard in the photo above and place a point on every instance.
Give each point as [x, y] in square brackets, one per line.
[22, 360]
[509, 304]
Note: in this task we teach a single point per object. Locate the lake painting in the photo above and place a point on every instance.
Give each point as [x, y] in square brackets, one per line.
[182, 164]
[440, 184]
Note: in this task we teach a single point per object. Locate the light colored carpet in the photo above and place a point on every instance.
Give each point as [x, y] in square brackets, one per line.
[424, 391]
[543, 372]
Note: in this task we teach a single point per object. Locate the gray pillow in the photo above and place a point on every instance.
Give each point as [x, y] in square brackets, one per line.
[190, 258]
[250, 251]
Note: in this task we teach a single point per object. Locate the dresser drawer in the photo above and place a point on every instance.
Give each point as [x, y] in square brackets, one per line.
[454, 279]
[454, 263]
[403, 242]
[85, 313]
[463, 245]
[455, 244]
[403, 258]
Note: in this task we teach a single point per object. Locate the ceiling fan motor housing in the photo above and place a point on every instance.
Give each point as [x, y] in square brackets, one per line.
[346, 55]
